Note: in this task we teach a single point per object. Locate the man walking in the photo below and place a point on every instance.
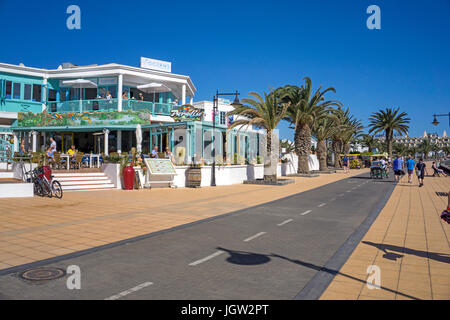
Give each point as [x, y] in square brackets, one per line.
[421, 170]
[398, 168]
[410, 164]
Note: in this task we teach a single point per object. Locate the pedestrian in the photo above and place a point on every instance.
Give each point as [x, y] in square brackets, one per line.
[345, 164]
[410, 164]
[398, 168]
[154, 153]
[445, 215]
[420, 171]
[52, 144]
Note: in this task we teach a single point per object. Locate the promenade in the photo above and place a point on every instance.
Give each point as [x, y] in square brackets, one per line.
[408, 242]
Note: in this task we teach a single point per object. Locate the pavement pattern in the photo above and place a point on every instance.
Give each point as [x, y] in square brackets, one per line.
[410, 245]
[273, 250]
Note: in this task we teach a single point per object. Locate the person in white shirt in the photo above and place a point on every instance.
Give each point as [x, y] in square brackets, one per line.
[52, 144]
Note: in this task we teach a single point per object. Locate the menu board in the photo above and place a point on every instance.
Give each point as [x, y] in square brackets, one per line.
[160, 166]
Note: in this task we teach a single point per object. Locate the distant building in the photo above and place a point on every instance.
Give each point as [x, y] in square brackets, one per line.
[440, 141]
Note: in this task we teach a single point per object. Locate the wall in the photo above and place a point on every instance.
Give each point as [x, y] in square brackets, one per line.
[112, 171]
[16, 190]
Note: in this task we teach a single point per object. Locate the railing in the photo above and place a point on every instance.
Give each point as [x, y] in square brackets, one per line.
[5, 151]
[109, 105]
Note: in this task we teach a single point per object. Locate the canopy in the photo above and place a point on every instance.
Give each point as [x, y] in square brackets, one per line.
[80, 83]
[153, 87]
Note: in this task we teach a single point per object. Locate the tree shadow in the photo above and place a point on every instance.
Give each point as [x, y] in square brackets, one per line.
[251, 258]
[393, 256]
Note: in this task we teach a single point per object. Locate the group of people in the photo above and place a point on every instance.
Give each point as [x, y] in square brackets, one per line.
[140, 96]
[411, 165]
[167, 154]
[50, 153]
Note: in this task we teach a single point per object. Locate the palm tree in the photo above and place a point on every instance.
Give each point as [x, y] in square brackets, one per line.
[305, 107]
[347, 129]
[369, 141]
[323, 129]
[426, 147]
[265, 112]
[388, 121]
[399, 148]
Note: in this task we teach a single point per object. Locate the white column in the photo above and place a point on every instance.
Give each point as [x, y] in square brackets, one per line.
[183, 94]
[34, 133]
[16, 142]
[106, 132]
[191, 100]
[44, 93]
[119, 92]
[119, 141]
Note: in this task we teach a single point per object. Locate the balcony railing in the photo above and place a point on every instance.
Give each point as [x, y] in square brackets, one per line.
[109, 105]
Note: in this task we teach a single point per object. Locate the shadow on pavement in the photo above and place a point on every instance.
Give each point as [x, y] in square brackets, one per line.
[251, 258]
[393, 256]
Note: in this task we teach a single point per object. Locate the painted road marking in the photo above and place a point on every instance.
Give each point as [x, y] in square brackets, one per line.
[215, 254]
[284, 222]
[127, 292]
[341, 195]
[349, 190]
[321, 205]
[306, 212]
[333, 199]
[255, 236]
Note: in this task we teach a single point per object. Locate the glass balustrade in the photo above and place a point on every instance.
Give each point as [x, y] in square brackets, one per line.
[109, 105]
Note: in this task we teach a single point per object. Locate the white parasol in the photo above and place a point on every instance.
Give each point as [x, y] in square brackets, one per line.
[139, 138]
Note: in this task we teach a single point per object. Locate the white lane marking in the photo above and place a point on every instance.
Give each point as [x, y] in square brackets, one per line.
[349, 190]
[215, 254]
[127, 292]
[333, 199]
[255, 236]
[306, 212]
[284, 222]
[341, 195]
[321, 205]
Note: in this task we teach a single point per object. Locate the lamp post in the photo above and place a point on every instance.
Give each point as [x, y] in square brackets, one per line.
[235, 104]
[436, 122]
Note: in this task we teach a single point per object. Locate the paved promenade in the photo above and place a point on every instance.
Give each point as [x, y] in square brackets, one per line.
[33, 229]
[408, 242]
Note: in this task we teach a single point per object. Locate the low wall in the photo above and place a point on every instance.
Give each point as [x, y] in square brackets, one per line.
[112, 171]
[16, 190]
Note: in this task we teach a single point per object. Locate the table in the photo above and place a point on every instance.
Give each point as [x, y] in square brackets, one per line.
[67, 159]
[91, 156]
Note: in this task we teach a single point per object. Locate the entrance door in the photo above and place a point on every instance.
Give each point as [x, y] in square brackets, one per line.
[66, 141]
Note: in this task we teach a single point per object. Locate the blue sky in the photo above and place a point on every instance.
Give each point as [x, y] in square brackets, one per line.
[253, 45]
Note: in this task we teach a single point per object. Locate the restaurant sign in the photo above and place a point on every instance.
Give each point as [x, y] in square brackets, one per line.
[29, 119]
[186, 112]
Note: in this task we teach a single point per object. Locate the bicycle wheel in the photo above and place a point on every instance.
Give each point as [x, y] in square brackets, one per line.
[47, 189]
[37, 188]
[57, 189]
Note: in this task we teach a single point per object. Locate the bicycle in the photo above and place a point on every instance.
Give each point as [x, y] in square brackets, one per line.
[44, 187]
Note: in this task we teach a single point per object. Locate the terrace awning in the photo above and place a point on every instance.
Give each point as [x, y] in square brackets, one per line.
[153, 87]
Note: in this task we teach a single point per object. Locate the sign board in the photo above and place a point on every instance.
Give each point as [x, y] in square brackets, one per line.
[154, 64]
[160, 166]
[186, 112]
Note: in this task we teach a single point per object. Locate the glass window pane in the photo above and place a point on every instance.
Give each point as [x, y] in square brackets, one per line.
[37, 92]
[16, 90]
[27, 92]
[90, 93]
[51, 95]
[8, 89]
[62, 94]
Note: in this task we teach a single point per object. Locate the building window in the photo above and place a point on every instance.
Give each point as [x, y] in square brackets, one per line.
[37, 92]
[27, 92]
[223, 118]
[16, 90]
[8, 89]
[51, 95]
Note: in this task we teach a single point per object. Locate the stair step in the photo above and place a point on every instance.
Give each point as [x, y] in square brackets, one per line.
[76, 190]
[88, 186]
[86, 182]
[80, 178]
[76, 174]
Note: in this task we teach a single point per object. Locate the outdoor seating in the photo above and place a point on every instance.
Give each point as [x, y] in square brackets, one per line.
[78, 160]
[58, 161]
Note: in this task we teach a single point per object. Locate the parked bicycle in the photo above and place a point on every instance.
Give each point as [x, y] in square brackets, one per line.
[44, 186]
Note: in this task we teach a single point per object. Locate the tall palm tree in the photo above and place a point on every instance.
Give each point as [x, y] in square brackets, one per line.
[305, 107]
[369, 141]
[264, 112]
[388, 121]
[324, 128]
[426, 147]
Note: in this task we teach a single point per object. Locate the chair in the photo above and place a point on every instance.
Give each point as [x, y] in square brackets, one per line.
[58, 161]
[78, 160]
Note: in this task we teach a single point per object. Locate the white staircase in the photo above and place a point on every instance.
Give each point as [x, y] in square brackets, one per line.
[89, 181]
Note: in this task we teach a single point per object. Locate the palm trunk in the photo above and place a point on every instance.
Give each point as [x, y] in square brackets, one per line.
[303, 147]
[270, 173]
[389, 143]
[337, 151]
[322, 155]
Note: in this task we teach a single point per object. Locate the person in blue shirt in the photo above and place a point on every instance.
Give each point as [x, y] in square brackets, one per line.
[421, 170]
[410, 164]
[398, 168]
[154, 153]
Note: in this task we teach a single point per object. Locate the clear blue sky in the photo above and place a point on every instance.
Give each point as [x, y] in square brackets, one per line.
[254, 45]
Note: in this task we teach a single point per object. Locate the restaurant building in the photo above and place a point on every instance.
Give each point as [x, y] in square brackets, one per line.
[111, 108]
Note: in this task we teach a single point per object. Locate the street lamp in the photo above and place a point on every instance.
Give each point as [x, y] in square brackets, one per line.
[435, 120]
[235, 104]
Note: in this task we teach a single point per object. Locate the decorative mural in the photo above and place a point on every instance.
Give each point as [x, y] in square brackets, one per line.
[30, 119]
[186, 112]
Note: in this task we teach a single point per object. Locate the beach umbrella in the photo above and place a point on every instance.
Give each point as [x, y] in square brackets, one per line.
[139, 138]
[79, 84]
